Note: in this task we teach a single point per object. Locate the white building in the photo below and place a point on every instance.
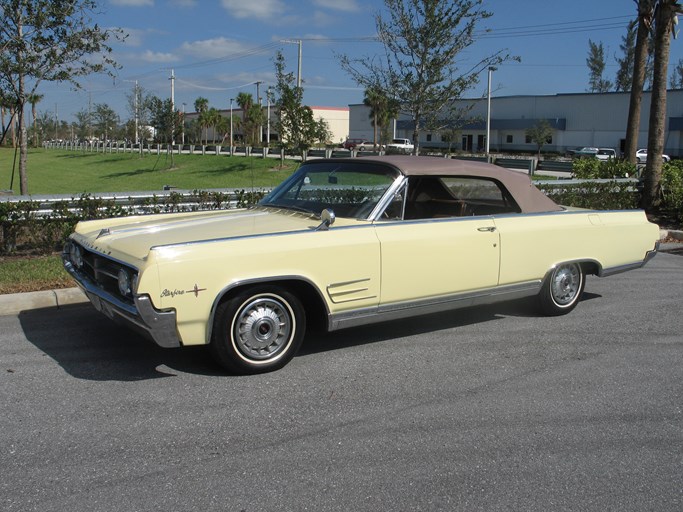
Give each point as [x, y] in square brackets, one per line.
[583, 119]
[337, 119]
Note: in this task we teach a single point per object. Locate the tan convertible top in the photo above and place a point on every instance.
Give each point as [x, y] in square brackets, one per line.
[527, 196]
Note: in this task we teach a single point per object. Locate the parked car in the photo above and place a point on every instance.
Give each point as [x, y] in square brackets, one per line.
[583, 152]
[369, 146]
[352, 143]
[401, 146]
[348, 242]
[606, 154]
[641, 156]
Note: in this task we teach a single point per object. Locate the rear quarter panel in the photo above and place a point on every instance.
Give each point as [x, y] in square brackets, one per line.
[533, 244]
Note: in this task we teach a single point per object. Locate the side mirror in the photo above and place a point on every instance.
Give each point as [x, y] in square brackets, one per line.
[327, 218]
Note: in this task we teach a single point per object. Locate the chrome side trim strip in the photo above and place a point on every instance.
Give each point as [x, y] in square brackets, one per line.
[396, 311]
[631, 266]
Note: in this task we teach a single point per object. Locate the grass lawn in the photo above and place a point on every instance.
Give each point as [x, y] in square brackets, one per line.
[72, 172]
[31, 274]
[75, 172]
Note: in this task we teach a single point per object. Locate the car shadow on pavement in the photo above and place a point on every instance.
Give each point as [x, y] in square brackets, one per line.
[88, 345]
[319, 341]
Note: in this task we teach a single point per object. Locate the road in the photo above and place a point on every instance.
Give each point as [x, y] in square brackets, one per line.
[479, 410]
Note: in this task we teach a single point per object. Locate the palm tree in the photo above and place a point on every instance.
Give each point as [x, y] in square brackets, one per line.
[246, 101]
[382, 110]
[34, 99]
[201, 105]
[665, 20]
[374, 98]
[645, 15]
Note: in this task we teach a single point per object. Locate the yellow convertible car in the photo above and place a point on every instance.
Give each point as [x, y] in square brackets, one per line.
[348, 242]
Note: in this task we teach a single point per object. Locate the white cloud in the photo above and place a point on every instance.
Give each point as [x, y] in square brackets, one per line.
[260, 9]
[338, 5]
[185, 3]
[133, 3]
[213, 48]
[158, 57]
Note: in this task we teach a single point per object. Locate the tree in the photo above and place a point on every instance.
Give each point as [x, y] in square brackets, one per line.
[423, 41]
[382, 110]
[43, 40]
[540, 134]
[665, 20]
[252, 118]
[623, 80]
[201, 106]
[34, 99]
[295, 123]
[676, 81]
[596, 68]
[645, 18]
[105, 120]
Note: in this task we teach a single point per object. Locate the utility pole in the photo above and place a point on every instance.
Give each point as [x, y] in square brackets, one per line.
[298, 73]
[136, 107]
[172, 79]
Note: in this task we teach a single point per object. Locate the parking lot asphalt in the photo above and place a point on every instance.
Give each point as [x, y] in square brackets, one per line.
[14, 303]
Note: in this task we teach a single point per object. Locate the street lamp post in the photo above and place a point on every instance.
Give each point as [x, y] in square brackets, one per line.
[488, 113]
[231, 125]
[268, 118]
[183, 131]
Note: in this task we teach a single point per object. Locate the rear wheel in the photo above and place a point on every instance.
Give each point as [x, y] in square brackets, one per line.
[258, 330]
[562, 289]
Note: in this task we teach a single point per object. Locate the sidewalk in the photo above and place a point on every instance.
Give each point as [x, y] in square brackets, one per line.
[15, 303]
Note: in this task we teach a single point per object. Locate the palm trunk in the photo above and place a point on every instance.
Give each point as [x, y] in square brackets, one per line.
[655, 139]
[638, 81]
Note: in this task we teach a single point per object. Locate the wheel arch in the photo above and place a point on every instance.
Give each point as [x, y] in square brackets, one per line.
[589, 267]
[308, 293]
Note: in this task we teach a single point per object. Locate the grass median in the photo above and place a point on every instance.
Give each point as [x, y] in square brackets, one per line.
[77, 172]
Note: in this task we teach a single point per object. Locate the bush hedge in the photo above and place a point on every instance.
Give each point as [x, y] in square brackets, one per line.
[23, 231]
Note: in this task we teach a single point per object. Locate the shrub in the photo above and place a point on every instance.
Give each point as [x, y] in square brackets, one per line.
[672, 189]
[26, 229]
[592, 168]
[611, 195]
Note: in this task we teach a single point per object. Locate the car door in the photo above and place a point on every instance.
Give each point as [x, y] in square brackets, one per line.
[435, 258]
[445, 243]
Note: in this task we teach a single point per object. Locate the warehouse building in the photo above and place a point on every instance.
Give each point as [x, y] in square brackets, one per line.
[577, 120]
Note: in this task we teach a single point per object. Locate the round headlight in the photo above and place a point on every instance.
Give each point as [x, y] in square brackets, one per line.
[124, 282]
[76, 255]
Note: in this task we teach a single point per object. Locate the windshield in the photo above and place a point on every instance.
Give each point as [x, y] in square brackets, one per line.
[350, 189]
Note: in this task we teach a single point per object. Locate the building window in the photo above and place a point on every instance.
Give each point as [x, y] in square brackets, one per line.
[527, 140]
[508, 139]
[429, 137]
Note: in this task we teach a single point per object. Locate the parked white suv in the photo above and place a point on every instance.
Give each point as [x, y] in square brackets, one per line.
[606, 154]
[401, 145]
[641, 156]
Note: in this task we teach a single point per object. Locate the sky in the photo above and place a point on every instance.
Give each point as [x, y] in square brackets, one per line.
[219, 48]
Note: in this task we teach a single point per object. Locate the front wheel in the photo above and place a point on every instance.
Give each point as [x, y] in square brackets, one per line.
[562, 289]
[258, 330]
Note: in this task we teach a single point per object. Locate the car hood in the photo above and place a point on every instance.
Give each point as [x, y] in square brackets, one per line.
[133, 237]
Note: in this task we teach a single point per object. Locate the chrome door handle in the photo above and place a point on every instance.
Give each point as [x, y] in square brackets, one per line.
[489, 229]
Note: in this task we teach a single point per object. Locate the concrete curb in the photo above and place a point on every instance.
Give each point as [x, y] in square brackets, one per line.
[15, 303]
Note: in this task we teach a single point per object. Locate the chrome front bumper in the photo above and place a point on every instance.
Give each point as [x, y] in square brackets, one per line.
[159, 326]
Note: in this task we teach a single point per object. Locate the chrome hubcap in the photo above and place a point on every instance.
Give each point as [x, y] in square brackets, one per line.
[263, 327]
[566, 284]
